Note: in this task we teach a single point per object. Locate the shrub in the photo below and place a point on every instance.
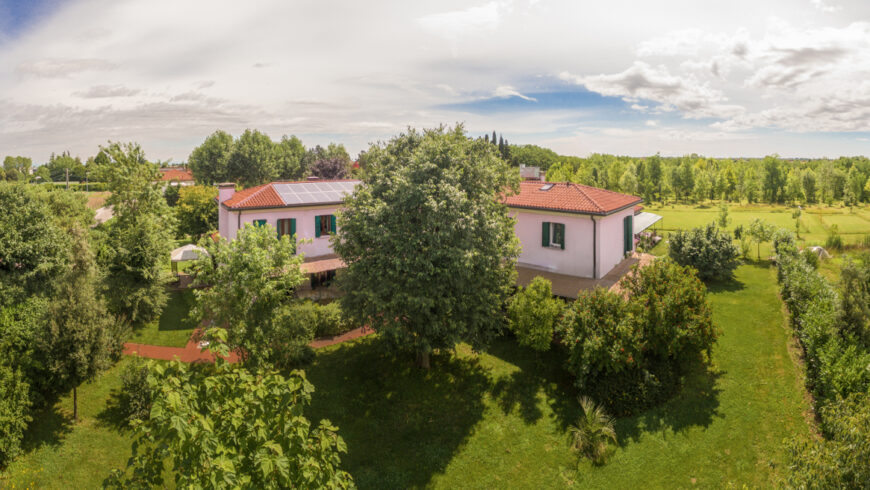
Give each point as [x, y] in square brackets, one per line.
[331, 320]
[593, 433]
[811, 257]
[745, 247]
[14, 412]
[629, 354]
[710, 251]
[834, 240]
[533, 314]
[839, 460]
[136, 395]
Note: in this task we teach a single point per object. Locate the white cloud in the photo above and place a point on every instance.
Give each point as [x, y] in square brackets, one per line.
[825, 7]
[454, 24]
[693, 98]
[505, 91]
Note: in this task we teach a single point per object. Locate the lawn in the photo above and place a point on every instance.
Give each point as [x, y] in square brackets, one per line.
[815, 222]
[499, 419]
[60, 454]
[173, 328]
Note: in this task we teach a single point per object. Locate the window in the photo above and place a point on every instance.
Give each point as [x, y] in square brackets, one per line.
[324, 225]
[322, 279]
[286, 227]
[259, 222]
[553, 235]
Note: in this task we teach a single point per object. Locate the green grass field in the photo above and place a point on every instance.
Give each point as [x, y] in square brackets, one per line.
[173, 328]
[815, 221]
[499, 419]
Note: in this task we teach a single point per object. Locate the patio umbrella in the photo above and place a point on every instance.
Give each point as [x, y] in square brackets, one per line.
[186, 253]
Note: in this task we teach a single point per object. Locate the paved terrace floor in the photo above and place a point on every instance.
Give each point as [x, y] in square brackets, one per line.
[569, 286]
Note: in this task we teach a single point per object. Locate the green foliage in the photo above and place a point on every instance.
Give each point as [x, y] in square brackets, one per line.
[253, 160]
[593, 433]
[760, 231]
[629, 354]
[196, 211]
[14, 412]
[723, 219]
[33, 249]
[136, 394]
[331, 162]
[208, 162]
[812, 258]
[17, 168]
[834, 241]
[170, 193]
[841, 459]
[224, 425]
[533, 156]
[137, 241]
[331, 320]
[855, 297]
[77, 344]
[252, 281]
[58, 165]
[444, 270]
[710, 251]
[289, 152]
[533, 314]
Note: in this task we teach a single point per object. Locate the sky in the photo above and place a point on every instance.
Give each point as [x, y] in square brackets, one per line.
[732, 78]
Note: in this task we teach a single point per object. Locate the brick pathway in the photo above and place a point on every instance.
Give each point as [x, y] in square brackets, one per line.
[192, 353]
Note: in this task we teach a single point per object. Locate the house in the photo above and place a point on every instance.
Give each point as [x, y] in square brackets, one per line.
[565, 229]
[303, 208]
[572, 229]
[176, 176]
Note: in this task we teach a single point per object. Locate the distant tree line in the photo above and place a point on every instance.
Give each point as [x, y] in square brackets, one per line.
[253, 159]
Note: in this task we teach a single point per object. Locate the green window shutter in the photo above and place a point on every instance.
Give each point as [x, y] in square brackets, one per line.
[317, 226]
[561, 235]
[545, 234]
[259, 222]
[628, 235]
[332, 227]
[292, 226]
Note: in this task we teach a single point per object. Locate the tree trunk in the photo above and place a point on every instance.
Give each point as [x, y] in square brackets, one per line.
[75, 404]
[423, 360]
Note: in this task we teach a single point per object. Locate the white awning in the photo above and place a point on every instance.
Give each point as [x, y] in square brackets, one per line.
[643, 221]
[188, 252]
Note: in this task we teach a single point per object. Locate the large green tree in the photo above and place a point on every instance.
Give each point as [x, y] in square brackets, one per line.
[77, 343]
[195, 210]
[289, 153]
[253, 160]
[430, 250]
[137, 241]
[209, 161]
[59, 165]
[252, 281]
[17, 168]
[229, 426]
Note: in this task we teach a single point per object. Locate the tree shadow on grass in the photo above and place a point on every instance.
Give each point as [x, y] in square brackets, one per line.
[402, 424]
[112, 416]
[537, 372]
[176, 314]
[49, 427]
[729, 285]
[695, 405]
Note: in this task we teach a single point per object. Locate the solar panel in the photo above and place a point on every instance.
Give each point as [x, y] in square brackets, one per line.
[302, 193]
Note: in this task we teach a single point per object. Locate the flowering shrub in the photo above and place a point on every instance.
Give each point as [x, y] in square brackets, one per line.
[629, 353]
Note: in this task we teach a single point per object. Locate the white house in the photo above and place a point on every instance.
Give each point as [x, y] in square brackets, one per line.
[564, 228]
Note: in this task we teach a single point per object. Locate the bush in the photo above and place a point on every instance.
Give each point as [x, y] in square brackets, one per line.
[533, 314]
[14, 412]
[841, 459]
[629, 354]
[594, 432]
[136, 395]
[710, 251]
[811, 257]
[834, 240]
[331, 320]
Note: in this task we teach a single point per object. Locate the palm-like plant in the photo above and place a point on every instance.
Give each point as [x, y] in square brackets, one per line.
[593, 432]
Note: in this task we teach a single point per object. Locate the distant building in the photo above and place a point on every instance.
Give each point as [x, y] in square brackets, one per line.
[176, 176]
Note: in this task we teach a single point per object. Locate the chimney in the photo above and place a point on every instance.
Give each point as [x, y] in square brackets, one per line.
[226, 191]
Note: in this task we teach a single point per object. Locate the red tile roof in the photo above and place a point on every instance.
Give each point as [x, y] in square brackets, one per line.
[261, 196]
[569, 197]
[179, 174]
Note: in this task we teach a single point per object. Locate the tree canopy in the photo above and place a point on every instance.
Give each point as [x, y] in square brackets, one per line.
[429, 205]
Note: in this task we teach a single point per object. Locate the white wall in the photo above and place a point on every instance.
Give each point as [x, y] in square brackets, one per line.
[610, 236]
[574, 260]
[304, 217]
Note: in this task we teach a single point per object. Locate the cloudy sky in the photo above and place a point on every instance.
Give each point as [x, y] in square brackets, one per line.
[725, 78]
